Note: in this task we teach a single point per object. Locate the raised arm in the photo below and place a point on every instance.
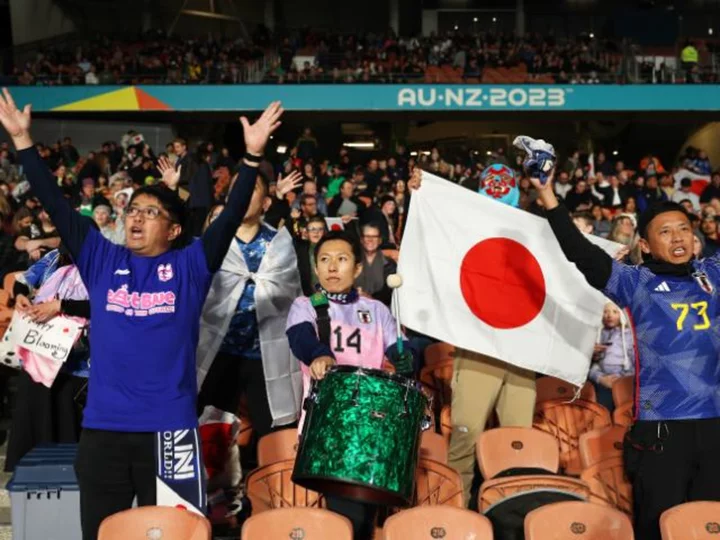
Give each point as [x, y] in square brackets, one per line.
[73, 228]
[219, 236]
[591, 260]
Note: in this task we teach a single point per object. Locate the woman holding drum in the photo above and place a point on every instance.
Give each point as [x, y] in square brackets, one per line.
[360, 437]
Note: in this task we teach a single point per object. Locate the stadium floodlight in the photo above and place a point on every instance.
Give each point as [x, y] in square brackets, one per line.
[494, 19]
[475, 19]
[456, 27]
[615, 152]
[281, 148]
[710, 31]
[369, 145]
[489, 153]
[413, 154]
[592, 35]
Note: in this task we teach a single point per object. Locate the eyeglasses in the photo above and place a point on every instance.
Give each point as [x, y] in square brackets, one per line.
[315, 229]
[149, 212]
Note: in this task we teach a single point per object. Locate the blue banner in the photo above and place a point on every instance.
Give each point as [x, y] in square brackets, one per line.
[374, 97]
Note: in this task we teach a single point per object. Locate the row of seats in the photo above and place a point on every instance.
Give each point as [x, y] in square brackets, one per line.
[558, 521]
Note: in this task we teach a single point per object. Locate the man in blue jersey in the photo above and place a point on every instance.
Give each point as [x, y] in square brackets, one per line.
[671, 452]
[140, 424]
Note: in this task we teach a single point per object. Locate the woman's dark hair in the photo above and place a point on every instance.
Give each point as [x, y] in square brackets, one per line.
[345, 237]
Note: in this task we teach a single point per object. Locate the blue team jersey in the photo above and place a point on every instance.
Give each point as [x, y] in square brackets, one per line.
[145, 325]
[677, 334]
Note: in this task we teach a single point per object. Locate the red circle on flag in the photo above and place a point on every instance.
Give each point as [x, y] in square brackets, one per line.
[502, 283]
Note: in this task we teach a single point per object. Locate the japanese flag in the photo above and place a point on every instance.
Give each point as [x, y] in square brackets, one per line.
[699, 181]
[492, 279]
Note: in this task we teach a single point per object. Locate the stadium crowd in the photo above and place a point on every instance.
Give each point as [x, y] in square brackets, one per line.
[311, 56]
[314, 189]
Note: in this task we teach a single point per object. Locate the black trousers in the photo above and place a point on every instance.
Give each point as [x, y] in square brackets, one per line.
[670, 463]
[362, 516]
[112, 468]
[231, 377]
[43, 415]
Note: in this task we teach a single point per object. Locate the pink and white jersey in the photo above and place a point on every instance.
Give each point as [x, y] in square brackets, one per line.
[360, 332]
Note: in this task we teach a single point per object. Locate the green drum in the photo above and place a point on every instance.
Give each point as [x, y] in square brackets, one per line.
[362, 435]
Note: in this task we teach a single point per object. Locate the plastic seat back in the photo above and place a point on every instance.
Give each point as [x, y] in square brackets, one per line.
[277, 446]
[699, 520]
[433, 446]
[600, 444]
[438, 352]
[271, 487]
[623, 415]
[609, 485]
[575, 519]
[446, 422]
[506, 448]
[494, 491]
[437, 484]
[548, 388]
[623, 390]
[155, 522]
[437, 522]
[566, 422]
[310, 523]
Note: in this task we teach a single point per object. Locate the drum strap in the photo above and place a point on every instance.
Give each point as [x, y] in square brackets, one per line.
[322, 307]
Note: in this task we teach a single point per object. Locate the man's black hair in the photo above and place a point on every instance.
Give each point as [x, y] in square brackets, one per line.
[168, 199]
[655, 210]
[345, 237]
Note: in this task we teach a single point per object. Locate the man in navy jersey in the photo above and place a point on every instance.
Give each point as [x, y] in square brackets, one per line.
[671, 452]
[140, 424]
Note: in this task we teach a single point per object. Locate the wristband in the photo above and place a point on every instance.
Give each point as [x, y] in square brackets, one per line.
[252, 158]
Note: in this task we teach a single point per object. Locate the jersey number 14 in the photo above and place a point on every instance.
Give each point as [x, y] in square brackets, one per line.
[353, 341]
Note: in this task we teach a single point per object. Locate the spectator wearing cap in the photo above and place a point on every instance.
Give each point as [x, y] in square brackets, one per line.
[685, 193]
[712, 190]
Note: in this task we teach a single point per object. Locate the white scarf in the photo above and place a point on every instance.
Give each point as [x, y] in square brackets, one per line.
[277, 285]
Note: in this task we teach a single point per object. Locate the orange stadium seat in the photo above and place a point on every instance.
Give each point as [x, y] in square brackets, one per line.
[548, 388]
[505, 448]
[438, 352]
[623, 415]
[566, 422]
[310, 523]
[699, 520]
[277, 446]
[600, 444]
[271, 487]
[574, 519]
[623, 390]
[437, 522]
[608, 484]
[155, 522]
[433, 446]
[437, 484]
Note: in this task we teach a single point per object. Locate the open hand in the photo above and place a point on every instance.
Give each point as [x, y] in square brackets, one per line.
[415, 179]
[15, 121]
[257, 134]
[170, 176]
[286, 185]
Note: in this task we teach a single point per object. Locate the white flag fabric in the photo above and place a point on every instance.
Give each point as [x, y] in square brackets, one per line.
[492, 279]
[699, 181]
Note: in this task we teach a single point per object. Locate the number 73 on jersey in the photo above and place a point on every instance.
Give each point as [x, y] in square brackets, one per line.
[698, 307]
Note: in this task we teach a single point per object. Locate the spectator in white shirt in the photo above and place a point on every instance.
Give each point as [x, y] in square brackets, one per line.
[684, 193]
[91, 77]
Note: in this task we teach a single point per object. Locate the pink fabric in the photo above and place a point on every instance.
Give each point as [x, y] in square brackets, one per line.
[66, 284]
